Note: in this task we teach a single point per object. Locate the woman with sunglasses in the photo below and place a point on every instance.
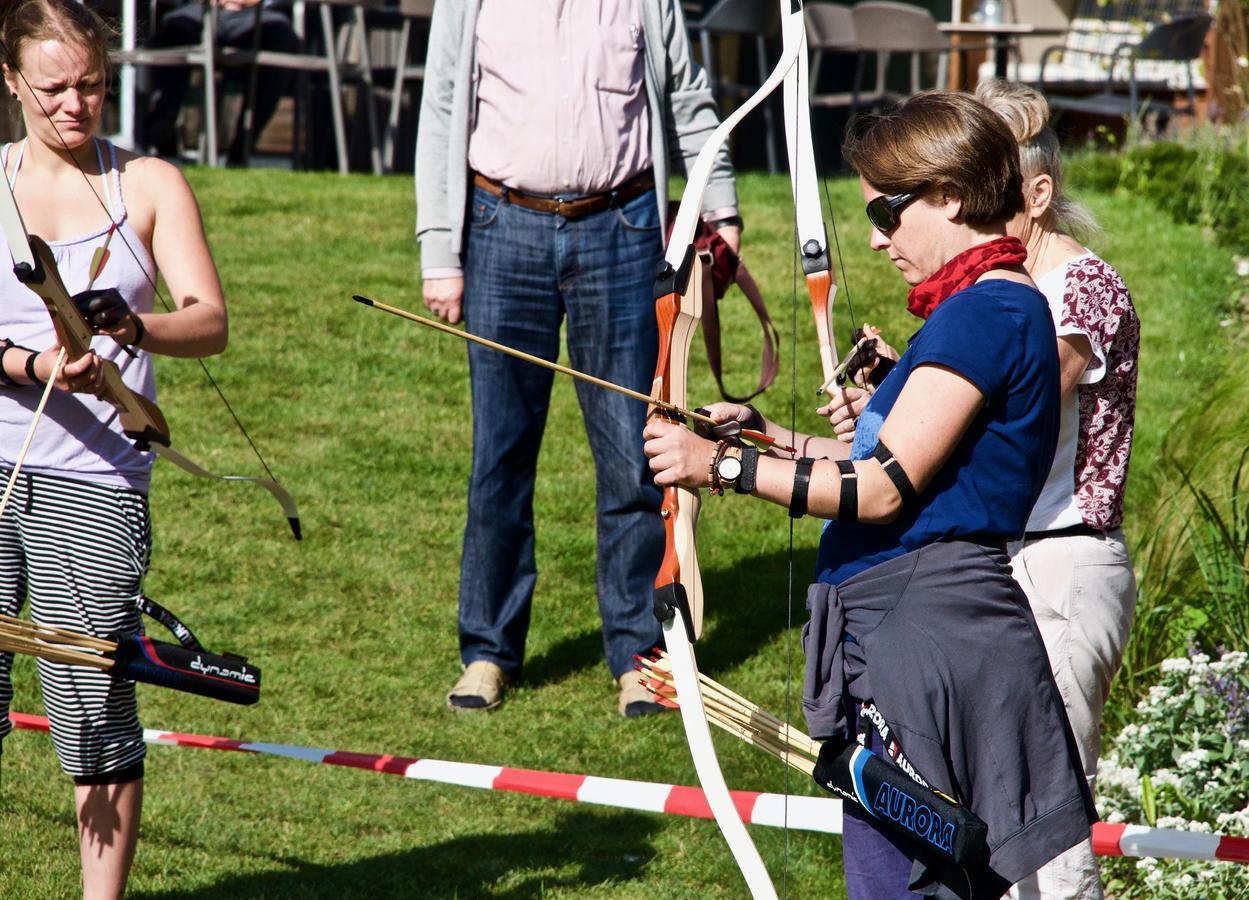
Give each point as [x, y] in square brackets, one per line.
[920, 643]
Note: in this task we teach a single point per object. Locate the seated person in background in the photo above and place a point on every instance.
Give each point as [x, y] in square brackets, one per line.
[236, 23]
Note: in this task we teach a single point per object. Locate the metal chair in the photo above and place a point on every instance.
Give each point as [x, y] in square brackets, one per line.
[1178, 40]
[830, 29]
[330, 61]
[344, 54]
[205, 56]
[886, 27]
[420, 11]
[748, 18]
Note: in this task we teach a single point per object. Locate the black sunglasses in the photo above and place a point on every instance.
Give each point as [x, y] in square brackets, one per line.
[884, 211]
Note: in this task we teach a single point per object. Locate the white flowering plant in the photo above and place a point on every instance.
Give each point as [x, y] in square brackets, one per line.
[1182, 763]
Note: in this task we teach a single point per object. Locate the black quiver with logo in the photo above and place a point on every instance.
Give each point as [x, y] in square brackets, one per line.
[197, 671]
[924, 817]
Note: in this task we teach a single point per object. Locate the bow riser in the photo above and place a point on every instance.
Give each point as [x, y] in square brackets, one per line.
[678, 308]
[141, 419]
[679, 584]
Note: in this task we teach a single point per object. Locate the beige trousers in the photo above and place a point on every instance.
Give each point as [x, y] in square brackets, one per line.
[1083, 595]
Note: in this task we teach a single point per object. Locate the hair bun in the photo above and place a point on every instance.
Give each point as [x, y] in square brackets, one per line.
[1024, 108]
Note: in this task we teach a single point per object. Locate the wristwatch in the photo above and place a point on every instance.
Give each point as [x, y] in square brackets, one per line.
[729, 469]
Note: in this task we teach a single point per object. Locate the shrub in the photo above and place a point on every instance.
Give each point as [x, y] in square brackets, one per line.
[1183, 763]
[1199, 183]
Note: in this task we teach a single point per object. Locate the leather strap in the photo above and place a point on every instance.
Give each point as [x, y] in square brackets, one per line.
[569, 208]
[896, 473]
[802, 483]
[848, 503]
[769, 361]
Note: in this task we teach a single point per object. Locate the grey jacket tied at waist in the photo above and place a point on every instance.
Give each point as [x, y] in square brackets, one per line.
[943, 641]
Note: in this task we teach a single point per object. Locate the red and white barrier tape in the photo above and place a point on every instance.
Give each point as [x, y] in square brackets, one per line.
[803, 813]
[1167, 843]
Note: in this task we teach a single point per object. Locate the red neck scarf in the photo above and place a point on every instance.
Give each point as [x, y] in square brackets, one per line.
[962, 271]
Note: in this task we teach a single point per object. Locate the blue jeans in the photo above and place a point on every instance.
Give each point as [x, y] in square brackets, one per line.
[524, 272]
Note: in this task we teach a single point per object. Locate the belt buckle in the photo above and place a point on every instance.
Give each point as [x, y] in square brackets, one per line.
[559, 207]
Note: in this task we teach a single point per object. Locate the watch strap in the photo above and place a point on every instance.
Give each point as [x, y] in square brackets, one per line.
[750, 464]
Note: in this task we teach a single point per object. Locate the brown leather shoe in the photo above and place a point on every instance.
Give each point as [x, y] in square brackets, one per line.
[479, 688]
[635, 699]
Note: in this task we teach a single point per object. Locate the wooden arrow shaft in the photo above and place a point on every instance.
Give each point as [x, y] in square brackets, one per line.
[536, 360]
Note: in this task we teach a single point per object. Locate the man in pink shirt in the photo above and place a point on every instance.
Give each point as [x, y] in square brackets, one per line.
[541, 167]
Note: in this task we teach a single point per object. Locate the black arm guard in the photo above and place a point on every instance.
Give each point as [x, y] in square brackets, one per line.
[924, 817]
[140, 658]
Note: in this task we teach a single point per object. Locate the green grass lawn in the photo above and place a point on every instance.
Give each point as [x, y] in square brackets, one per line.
[366, 419]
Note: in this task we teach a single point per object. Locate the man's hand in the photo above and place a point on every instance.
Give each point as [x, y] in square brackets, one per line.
[732, 235]
[236, 5]
[444, 297]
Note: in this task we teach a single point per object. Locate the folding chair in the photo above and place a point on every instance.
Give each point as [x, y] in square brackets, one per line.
[420, 11]
[748, 18]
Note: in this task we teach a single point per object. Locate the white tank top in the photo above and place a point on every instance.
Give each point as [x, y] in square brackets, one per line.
[79, 435]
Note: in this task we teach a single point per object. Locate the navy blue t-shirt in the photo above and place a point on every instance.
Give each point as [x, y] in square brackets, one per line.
[999, 335]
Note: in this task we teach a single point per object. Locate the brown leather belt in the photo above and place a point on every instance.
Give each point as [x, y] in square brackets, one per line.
[569, 208]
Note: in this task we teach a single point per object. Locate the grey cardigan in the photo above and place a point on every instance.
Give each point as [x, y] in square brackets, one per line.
[682, 110]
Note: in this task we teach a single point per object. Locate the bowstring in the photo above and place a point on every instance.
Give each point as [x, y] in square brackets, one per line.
[841, 260]
[164, 301]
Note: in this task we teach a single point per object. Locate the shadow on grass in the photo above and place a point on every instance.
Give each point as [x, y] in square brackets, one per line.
[580, 852]
[745, 604]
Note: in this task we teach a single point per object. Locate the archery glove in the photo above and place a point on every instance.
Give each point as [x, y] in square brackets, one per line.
[103, 309]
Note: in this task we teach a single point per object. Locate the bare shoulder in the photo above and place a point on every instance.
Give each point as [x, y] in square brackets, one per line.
[153, 188]
[149, 179]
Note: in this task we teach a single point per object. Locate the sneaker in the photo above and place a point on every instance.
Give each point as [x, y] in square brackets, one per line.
[479, 688]
[635, 699]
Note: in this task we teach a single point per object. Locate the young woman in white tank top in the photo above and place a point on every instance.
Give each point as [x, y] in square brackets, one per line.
[75, 537]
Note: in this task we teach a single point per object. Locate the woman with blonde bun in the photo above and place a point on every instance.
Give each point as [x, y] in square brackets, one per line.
[1072, 561]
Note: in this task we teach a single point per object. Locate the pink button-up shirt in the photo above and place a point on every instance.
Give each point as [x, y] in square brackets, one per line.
[561, 99]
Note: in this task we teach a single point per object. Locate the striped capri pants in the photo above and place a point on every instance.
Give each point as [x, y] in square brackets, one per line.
[79, 551]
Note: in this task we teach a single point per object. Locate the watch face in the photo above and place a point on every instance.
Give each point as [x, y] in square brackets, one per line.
[730, 468]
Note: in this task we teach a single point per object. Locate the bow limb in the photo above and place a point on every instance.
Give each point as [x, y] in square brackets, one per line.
[810, 231]
[141, 420]
[678, 586]
[686, 222]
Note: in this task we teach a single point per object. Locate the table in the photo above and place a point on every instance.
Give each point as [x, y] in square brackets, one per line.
[1001, 34]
